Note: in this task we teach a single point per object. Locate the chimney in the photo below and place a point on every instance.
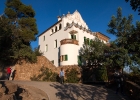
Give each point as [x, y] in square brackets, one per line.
[59, 18]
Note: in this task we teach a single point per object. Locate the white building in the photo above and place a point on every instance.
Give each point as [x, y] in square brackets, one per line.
[61, 42]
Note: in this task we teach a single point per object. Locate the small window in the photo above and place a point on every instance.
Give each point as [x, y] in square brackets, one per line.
[52, 30]
[73, 36]
[88, 41]
[44, 38]
[60, 26]
[67, 24]
[56, 29]
[55, 44]
[85, 40]
[46, 47]
[52, 61]
[64, 58]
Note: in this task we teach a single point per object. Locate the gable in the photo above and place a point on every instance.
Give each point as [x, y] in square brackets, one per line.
[76, 18]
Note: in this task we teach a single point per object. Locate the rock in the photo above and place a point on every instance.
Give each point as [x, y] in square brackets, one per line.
[2, 90]
[11, 87]
[8, 97]
[0, 85]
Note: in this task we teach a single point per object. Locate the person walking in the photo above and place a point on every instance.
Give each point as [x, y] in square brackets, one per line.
[8, 72]
[119, 79]
[62, 74]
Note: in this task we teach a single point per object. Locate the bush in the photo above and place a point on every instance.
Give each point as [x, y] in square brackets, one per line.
[72, 76]
[101, 74]
[45, 75]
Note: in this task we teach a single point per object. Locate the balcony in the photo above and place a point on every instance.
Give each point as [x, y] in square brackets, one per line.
[69, 41]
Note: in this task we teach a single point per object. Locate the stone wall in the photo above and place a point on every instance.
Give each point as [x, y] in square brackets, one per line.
[26, 70]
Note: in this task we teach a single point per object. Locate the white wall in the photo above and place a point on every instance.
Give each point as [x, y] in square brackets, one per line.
[71, 51]
[52, 53]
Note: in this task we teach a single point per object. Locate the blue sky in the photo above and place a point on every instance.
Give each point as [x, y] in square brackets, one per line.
[96, 13]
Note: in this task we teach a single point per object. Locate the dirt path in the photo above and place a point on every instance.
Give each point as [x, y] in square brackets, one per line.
[56, 91]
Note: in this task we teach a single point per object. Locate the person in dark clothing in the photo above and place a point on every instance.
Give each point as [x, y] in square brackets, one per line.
[119, 79]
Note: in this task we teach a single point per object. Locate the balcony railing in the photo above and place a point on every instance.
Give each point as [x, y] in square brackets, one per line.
[69, 41]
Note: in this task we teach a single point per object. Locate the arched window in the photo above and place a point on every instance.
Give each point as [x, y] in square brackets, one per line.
[55, 28]
[60, 26]
[52, 30]
[67, 24]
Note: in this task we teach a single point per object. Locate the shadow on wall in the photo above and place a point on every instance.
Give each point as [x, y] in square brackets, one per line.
[59, 56]
[83, 92]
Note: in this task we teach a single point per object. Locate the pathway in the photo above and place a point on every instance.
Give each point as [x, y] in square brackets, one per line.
[56, 91]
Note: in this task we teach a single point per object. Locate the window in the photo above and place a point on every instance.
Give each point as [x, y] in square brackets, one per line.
[55, 28]
[44, 38]
[85, 40]
[60, 26]
[67, 24]
[64, 58]
[88, 41]
[91, 41]
[46, 47]
[52, 61]
[52, 30]
[55, 44]
[73, 36]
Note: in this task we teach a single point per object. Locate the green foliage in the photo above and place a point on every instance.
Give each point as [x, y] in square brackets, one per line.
[72, 76]
[37, 52]
[121, 27]
[135, 4]
[45, 75]
[17, 29]
[101, 74]
[93, 53]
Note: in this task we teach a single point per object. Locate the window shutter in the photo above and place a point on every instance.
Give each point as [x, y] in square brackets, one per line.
[75, 37]
[85, 40]
[61, 58]
[66, 57]
[71, 36]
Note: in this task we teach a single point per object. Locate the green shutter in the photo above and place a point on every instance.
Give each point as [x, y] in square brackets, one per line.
[66, 57]
[79, 60]
[71, 36]
[75, 37]
[85, 40]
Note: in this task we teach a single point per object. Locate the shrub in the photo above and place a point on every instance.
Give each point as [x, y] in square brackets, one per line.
[45, 75]
[101, 74]
[72, 76]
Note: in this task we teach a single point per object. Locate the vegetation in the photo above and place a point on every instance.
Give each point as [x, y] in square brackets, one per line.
[17, 29]
[45, 75]
[37, 52]
[72, 76]
[94, 55]
[135, 4]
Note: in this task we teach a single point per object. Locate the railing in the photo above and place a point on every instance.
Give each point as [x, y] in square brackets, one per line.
[69, 41]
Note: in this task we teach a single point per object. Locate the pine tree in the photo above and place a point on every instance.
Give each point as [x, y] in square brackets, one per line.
[135, 4]
[121, 27]
[22, 23]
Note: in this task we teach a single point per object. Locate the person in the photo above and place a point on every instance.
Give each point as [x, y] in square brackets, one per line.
[119, 79]
[62, 74]
[8, 72]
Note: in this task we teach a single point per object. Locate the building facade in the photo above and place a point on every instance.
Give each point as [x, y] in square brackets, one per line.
[61, 42]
